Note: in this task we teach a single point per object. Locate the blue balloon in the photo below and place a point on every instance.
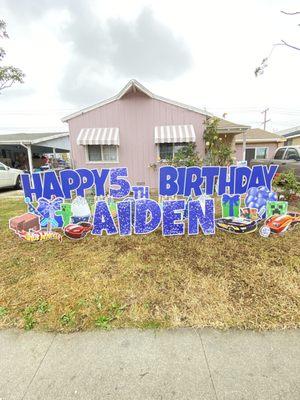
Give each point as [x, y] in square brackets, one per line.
[261, 202]
[273, 196]
[252, 191]
[252, 204]
[249, 199]
[258, 197]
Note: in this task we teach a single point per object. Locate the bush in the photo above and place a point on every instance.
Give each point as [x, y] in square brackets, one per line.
[287, 183]
[187, 156]
[218, 152]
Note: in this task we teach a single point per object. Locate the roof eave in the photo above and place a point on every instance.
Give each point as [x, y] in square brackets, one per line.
[267, 140]
[138, 85]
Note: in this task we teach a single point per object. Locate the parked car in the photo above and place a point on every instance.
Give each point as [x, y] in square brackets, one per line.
[287, 157]
[10, 177]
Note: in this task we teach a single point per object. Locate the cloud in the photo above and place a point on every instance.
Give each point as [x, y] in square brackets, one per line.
[17, 92]
[82, 85]
[143, 48]
[147, 49]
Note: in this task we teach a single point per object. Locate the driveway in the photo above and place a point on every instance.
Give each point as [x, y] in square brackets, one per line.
[10, 193]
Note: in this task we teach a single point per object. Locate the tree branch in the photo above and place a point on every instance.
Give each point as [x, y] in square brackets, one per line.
[284, 43]
[290, 13]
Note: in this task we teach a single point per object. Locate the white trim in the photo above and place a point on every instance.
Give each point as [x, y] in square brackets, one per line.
[273, 140]
[135, 84]
[57, 136]
[292, 136]
[100, 162]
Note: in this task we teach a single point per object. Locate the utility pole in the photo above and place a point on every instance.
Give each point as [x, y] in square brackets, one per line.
[265, 118]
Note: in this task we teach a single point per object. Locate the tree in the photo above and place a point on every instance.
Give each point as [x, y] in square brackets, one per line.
[8, 74]
[218, 152]
[260, 70]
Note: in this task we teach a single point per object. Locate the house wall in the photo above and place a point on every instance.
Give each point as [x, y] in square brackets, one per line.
[136, 115]
[295, 141]
[271, 148]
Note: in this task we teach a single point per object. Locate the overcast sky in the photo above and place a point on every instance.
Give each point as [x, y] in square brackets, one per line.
[203, 53]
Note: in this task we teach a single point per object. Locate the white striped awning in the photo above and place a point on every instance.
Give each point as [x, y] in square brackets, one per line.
[175, 134]
[90, 136]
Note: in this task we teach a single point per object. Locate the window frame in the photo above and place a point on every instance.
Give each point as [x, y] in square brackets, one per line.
[173, 147]
[283, 154]
[287, 153]
[259, 147]
[87, 160]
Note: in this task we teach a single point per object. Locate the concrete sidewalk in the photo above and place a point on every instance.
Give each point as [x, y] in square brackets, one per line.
[131, 364]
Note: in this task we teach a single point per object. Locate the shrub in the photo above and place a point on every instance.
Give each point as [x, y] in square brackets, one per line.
[218, 152]
[287, 183]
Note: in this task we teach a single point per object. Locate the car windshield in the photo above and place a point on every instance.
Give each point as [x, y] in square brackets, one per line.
[282, 217]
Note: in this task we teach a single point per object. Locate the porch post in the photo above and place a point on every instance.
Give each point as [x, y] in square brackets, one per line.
[29, 155]
[244, 146]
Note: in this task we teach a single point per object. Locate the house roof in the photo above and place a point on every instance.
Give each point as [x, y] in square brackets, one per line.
[225, 126]
[131, 87]
[259, 135]
[31, 138]
[291, 132]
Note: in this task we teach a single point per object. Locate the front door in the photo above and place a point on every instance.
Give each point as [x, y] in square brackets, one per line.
[250, 155]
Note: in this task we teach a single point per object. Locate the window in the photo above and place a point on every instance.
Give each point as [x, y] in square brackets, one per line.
[279, 154]
[258, 153]
[2, 167]
[261, 153]
[292, 154]
[168, 150]
[102, 153]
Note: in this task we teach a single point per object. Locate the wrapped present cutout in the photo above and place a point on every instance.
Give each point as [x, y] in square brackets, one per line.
[231, 205]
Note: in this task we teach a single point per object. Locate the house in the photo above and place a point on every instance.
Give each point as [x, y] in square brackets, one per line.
[260, 144]
[22, 150]
[292, 136]
[138, 130]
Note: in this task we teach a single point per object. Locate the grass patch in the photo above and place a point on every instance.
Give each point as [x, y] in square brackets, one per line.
[149, 281]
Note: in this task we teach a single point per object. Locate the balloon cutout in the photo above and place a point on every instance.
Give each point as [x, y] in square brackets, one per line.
[258, 198]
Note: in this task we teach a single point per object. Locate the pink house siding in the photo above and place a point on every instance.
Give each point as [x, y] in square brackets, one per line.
[270, 146]
[136, 115]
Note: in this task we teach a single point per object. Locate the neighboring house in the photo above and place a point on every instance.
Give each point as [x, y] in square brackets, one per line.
[22, 150]
[292, 136]
[138, 130]
[260, 144]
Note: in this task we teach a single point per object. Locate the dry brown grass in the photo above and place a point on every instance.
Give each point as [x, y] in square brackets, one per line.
[149, 281]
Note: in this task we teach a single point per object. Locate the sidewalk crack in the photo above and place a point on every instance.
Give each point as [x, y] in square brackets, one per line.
[208, 367]
[39, 366]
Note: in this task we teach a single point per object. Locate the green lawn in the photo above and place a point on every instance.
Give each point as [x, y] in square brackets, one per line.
[220, 281]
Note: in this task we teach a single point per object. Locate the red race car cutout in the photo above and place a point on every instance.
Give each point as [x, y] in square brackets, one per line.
[78, 231]
[281, 223]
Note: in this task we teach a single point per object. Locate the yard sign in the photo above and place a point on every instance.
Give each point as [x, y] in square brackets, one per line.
[63, 204]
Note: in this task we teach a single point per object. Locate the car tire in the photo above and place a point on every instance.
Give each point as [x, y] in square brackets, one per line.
[18, 184]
